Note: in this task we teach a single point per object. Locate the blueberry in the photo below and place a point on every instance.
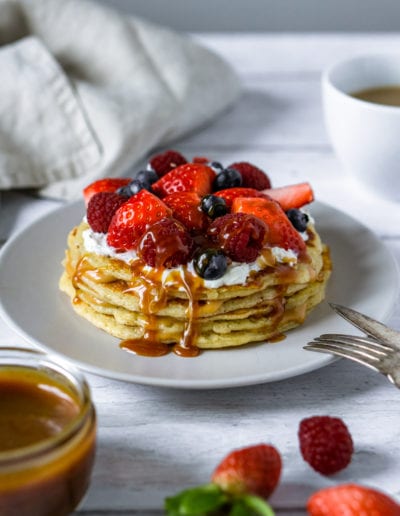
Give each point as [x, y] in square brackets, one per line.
[228, 178]
[216, 166]
[210, 264]
[214, 206]
[298, 218]
[132, 188]
[147, 176]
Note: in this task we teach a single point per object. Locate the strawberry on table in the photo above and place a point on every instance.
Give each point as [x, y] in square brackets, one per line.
[281, 232]
[186, 207]
[239, 486]
[107, 184]
[132, 218]
[191, 177]
[351, 500]
[253, 470]
[229, 194]
[291, 196]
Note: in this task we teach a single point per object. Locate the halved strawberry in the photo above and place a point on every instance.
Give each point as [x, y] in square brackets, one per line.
[252, 470]
[107, 184]
[186, 208]
[292, 196]
[132, 218]
[191, 177]
[281, 232]
[229, 194]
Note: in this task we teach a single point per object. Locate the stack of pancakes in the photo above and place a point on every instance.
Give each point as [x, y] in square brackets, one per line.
[136, 302]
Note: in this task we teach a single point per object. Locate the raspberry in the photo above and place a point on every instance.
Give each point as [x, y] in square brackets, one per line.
[325, 443]
[240, 235]
[252, 176]
[166, 161]
[166, 244]
[101, 209]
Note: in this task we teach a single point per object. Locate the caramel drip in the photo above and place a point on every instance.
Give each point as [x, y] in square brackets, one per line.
[84, 268]
[147, 285]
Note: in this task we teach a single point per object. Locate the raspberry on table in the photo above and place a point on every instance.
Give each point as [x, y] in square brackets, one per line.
[166, 243]
[101, 209]
[252, 176]
[241, 236]
[166, 161]
[325, 443]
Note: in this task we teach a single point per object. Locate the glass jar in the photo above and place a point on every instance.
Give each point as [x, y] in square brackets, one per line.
[47, 433]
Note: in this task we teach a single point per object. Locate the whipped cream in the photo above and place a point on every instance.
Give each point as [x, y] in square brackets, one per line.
[236, 274]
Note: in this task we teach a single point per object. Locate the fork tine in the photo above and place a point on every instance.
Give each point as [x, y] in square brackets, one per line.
[368, 325]
[357, 342]
[339, 351]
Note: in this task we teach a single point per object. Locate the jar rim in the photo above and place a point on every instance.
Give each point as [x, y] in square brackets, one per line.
[75, 380]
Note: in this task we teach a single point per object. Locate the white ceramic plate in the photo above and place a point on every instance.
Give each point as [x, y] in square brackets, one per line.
[364, 277]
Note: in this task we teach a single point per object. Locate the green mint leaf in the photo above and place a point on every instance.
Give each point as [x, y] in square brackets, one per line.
[197, 501]
[255, 506]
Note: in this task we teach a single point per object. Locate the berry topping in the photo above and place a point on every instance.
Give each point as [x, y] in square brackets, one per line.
[210, 264]
[298, 218]
[192, 177]
[214, 206]
[166, 243]
[292, 196]
[231, 193]
[227, 178]
[351, 500]
[132, 218]
[281, 233]
[164, 162]
[108, 184]
[200, 159]
[132, 188]
[252, 176]
[252, 470]
[240, 235]
[148, 177]
[101, 209]
[216, 166]
[186, 208]
[325, 443]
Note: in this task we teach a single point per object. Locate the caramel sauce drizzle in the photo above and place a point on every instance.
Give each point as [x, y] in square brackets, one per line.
[147, 285]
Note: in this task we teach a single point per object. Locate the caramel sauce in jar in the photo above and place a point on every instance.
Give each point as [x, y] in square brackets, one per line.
[47, 435]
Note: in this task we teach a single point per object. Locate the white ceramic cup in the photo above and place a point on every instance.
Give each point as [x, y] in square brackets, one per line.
[365, 135]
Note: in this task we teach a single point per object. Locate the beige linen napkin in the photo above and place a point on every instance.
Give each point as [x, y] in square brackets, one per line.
[86, 92]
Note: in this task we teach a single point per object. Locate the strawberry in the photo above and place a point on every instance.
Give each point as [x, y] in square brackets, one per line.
[351, 500]
[165, 161]
[108, 184]
[252, 470]
[191, 177]
[252, 176]
[281, 232]
[292, 196]
[186, 208]
[132, 218]
[229, 194]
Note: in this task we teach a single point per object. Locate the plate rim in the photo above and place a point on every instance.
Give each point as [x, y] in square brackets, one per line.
[198, 384]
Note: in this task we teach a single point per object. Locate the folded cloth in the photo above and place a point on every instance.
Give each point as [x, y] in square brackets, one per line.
[86, 92]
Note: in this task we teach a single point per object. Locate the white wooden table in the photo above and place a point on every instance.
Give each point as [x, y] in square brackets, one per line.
[153, 442]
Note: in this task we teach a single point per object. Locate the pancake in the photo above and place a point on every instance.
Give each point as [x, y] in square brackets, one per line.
[154, 309]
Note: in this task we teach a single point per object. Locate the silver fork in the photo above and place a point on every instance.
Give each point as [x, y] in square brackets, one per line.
[379, 349]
